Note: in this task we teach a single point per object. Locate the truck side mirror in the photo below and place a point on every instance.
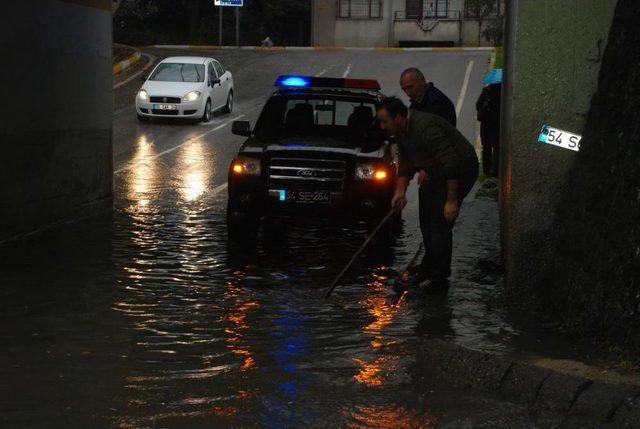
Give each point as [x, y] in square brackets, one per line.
[241, 128]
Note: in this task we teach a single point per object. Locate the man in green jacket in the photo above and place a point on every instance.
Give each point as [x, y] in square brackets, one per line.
[447, 168]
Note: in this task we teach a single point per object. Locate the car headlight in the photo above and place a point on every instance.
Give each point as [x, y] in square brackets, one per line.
[191, 96]
[143, 95]
[243, 165]
[371, 172]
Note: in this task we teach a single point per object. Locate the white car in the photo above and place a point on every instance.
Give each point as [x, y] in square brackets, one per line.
[185, 87]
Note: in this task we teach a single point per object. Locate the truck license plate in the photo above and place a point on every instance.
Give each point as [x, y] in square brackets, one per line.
[305, 197]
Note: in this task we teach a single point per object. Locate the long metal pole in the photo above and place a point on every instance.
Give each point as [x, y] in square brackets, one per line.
[237, 26]
[220, 26]
[355, 256]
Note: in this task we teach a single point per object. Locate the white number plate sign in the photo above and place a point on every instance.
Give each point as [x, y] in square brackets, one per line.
[560, 138]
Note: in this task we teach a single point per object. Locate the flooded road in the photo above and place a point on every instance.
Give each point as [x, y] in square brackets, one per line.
[149, 317]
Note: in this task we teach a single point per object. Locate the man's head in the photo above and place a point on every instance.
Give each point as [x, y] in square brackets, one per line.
[392, 115]
[413, 84]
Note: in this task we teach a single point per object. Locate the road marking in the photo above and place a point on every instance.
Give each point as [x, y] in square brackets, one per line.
[463, 90]
[124, 109]
[150, 60]
[347, 71]
[219, 189]
[130, 166]
[322, 72]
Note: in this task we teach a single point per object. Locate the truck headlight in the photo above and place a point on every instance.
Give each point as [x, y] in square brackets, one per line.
[191, 96]
[142, 95]
[243, 165]
[371, 172]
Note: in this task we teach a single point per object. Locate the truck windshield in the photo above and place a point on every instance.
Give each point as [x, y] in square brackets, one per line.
[349, 120]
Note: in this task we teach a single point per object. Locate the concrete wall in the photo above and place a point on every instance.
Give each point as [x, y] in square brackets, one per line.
[55, 133]
[470, 33]
[409, 30]
[552, 58]
[324, 26]
[596, 287]
[363, 33]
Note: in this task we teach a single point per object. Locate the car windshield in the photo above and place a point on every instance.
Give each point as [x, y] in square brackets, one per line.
[178, 72]
[350, 120]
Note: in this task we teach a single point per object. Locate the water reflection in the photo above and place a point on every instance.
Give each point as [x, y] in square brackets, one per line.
[237, 325]
[381, 309]
[144, 173]
[389, 416]
[194, 170]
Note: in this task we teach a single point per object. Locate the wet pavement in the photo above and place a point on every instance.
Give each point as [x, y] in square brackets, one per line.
[149, 317]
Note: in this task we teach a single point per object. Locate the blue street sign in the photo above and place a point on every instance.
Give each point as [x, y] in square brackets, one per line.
[233, 3]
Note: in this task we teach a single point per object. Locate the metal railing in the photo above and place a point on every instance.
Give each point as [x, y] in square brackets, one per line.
[400, 15]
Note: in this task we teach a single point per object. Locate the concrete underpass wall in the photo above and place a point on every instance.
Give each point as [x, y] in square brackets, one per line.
[597, 228]
[553, 54]
[55, 133]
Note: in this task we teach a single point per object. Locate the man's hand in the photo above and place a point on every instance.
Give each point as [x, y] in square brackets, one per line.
[399, 200]
[423, 178]
[451, 210]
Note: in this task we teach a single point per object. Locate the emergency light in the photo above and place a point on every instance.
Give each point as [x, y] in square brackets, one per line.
[294, 81]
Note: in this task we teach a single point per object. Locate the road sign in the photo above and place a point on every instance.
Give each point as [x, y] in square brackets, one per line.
[232, 3]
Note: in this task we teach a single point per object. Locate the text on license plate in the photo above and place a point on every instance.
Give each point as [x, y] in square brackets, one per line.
[304, 196]
[165, 106]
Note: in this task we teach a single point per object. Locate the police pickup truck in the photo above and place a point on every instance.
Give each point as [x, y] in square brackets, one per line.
[315, 151]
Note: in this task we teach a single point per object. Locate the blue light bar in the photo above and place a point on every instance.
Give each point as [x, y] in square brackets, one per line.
[295, 81]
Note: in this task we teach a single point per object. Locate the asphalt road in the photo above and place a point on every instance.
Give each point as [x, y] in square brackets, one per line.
[254, 74]
[149, 318]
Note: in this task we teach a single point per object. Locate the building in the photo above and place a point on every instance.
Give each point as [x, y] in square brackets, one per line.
[389, 23]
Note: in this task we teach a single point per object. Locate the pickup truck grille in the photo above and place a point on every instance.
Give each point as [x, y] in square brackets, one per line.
[311, 174]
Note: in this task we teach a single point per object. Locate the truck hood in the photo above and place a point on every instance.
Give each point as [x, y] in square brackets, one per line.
[324, 145]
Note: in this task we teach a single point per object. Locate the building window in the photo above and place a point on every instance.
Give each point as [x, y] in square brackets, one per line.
[420, 9]
[436, 8]
[360, 9]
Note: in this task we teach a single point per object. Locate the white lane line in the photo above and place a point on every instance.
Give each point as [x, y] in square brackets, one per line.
[347, 71]
[463, 90]
[323, 71]
[219, 189]
[150, 60]
[157, 155]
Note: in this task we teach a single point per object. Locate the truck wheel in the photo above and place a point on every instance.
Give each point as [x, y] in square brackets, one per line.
[241, 226]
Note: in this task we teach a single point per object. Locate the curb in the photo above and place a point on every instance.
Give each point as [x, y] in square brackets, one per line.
[123, 65]
[573, 401]
[322, 48]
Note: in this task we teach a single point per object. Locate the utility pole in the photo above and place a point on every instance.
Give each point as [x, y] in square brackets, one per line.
[220, 25]
[312, 41]
[237, 26]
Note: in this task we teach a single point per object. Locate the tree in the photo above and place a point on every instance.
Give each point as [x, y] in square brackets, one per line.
[481, 10]
[494, 31]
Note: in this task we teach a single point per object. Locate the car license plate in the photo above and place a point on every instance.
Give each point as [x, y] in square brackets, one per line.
[560, 138]
[165, 106]
[305, 197]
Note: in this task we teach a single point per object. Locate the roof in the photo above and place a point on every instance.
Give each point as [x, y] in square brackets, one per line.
[186, 60]
[346, 92]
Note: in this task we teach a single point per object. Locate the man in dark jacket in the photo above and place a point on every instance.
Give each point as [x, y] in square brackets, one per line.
[488, 108]
[425, 97]
[447, 167]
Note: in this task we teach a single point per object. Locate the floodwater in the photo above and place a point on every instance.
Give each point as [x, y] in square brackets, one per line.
[149, 318]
